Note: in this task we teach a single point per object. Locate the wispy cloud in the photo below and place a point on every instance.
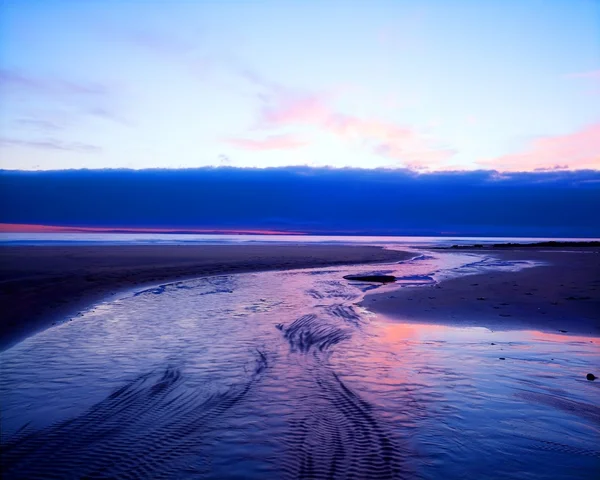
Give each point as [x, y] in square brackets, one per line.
[287, 108]
[577, 150]
[54, 104]
[40, 124]
[105, 113]
[12, 79]
[50, 144]
[274, 142]
[284, 107]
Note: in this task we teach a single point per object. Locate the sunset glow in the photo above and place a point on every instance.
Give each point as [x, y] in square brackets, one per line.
[429, 86]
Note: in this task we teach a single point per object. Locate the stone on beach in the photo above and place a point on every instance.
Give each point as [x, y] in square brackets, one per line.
[371, 278]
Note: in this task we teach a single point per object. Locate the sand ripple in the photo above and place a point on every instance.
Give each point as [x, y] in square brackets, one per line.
[281, 375]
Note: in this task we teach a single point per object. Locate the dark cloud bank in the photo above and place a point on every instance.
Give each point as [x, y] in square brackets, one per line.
[309, 200]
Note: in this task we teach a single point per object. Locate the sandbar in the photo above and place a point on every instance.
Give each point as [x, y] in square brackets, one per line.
[44, 285]
[562, 296]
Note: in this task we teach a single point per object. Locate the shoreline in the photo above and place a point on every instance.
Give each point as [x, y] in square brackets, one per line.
[560, 296]
[43, 286]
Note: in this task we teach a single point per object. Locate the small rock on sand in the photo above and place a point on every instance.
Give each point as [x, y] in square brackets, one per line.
[371, 278]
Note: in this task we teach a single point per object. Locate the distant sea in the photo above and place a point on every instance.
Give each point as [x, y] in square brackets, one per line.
[212, 239]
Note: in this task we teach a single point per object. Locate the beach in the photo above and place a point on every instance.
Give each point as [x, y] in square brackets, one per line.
[562, 295]
[189, 370]
[43, 285]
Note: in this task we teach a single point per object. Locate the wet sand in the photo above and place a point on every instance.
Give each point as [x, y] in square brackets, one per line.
[43, 285]
[561, 296]
[280, 375]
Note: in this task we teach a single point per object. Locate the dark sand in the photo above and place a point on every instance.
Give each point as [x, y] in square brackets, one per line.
[43, 285]
[562, 296]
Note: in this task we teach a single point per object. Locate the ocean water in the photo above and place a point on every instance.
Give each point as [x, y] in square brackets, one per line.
[205, 239]
[283, 375]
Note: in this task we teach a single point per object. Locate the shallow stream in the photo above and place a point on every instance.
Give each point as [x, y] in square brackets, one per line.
[283, 375]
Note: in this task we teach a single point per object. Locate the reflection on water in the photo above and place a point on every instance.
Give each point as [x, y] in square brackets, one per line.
[47, 238]
[282, 375]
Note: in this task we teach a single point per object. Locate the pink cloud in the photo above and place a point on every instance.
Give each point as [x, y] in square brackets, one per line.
[274, 142]
[352, 126]
[295, 109]
[578, 150]
[388, 139]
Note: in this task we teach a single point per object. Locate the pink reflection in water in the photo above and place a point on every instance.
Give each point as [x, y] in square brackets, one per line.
[281, 373]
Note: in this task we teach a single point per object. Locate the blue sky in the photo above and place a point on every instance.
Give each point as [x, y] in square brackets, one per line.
[424, 85]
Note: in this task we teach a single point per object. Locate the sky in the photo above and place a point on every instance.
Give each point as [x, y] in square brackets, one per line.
[428, 86]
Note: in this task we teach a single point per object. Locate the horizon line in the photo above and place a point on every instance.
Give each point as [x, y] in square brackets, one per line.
[306, 167]
[39, 228]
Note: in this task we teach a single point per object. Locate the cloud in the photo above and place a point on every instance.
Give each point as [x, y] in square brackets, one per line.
[50, 144]
[64, 101]
[578, 150]
[407, 146]
[19, 81]
[403, 144]
[287, 108]
[106, 114]
[549, 169]
[274, 142]
[40, 124]
[325, 201]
